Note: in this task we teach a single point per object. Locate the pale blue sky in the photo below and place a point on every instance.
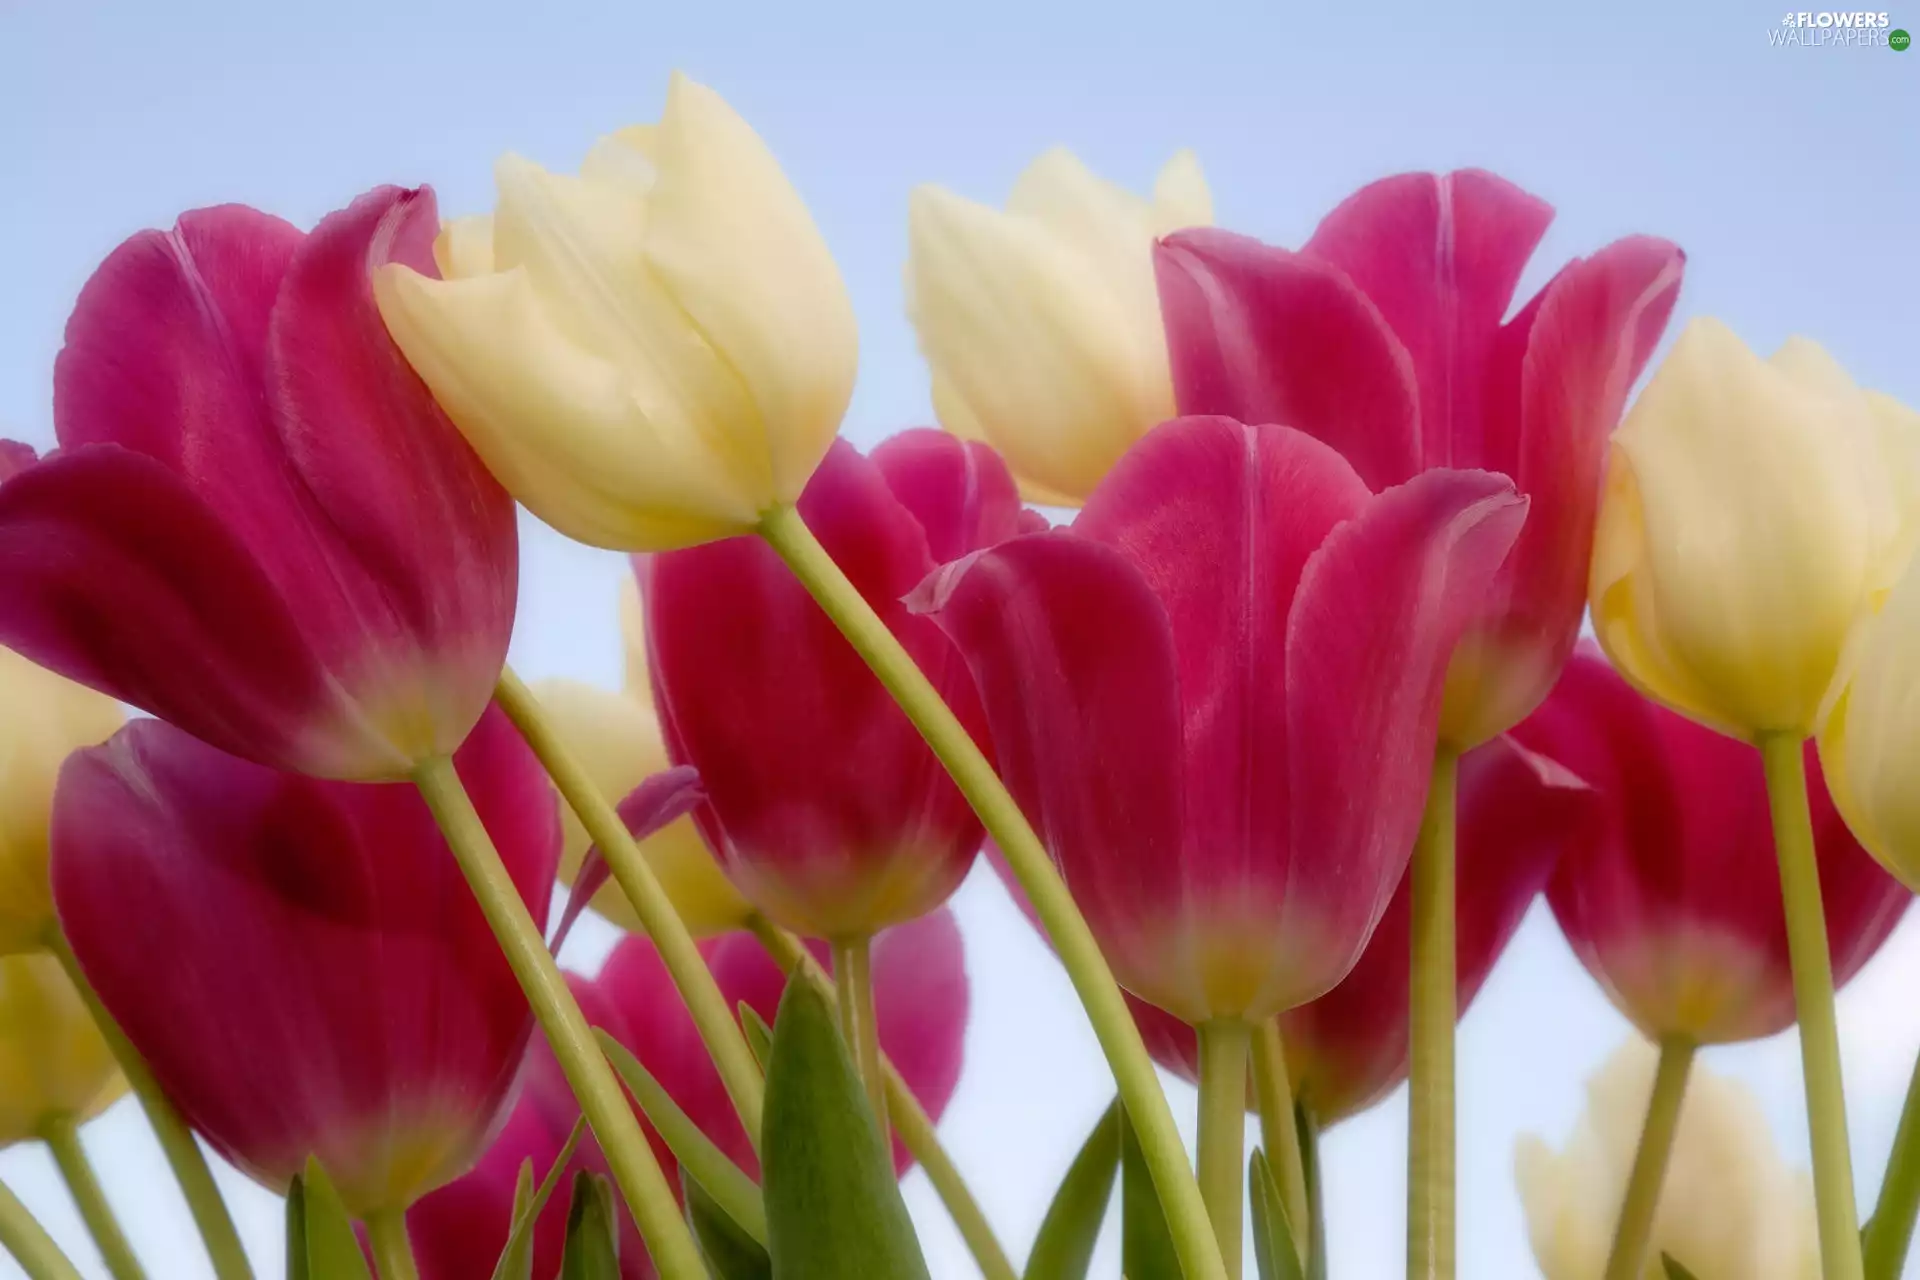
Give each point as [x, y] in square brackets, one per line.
[1786, 173]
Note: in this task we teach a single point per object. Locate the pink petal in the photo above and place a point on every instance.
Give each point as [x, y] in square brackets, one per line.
[1267, 336]
[1439, 255]
[664, 797]
[1373, 626]
[961, 493]
[15, 457]
[824, 804]
[330, 986]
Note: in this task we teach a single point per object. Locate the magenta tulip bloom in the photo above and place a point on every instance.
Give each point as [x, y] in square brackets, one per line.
[825, 807]
[920, 1007]
[300, 961]
[1387, 337]
[1216, 696]
[259, 526]
[1672, 902]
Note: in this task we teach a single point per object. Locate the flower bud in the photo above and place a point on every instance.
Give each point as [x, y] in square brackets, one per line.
[54, 1063]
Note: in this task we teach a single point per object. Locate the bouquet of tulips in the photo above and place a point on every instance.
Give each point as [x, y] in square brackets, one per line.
[1275, 738]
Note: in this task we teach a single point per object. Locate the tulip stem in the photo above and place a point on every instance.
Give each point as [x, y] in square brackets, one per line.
[1133, 1071]
[62, 1137]
[1431, 1013]
[204, 1201]
[1279, 1126]
[1315, 1244]
[853, 993]
[1807, 949]
[910, 1120]
[392, 1248]
[1890, 1230]
[712, 1015]
[23, 1237]
[1223, 1129]
[644, 1187]
[1634, 1230]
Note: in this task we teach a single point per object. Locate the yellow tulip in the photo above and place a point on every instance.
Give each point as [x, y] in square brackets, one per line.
[54, 1063]
[1042, 323]
[43, 719]
[1754, 512]
[649, 355]
[1729, 1206]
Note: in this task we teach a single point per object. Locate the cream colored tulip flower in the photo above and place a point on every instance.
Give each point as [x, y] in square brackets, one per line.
[1041, 323]
[54, 1063]
[1755, 512]
[1729, 1209]
[43, 719]
[649, 355]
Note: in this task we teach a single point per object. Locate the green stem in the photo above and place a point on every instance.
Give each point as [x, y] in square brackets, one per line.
[1223, 1129]
[634, 1168]
[910, 1120]
[853, 994]
[23, 1237]
[1890, 1230]
[1786, 774]
[62, 1137]
[392, 1249]
[1431, 1018]
[1316, 1204]
[712, 1015]
[1279, 1128]
[189, 1163]
[1634, 1231]
[1133, 1071]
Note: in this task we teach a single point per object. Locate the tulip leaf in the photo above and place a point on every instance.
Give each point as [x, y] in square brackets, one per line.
[759, 1034]
[516, 1260]
[593, 1245]
[733, 1191]
[1273, 1248]
[833, 1204]
[1674, 1270]
[1064, 1248]
[1146, 1246]
[332, 1248]
[730, 1253]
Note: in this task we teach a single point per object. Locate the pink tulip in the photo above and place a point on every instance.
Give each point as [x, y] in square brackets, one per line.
[1347, 1050]
[1672, 901]
[300, 961]
[1384, 337]
[825, 807]
[1216, 699]
[259, 526]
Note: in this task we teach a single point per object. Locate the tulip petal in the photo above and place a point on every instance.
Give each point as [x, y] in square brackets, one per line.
[663, 798]
[15, 457]
[960, 492]
[1268, 336]
[1180, 195]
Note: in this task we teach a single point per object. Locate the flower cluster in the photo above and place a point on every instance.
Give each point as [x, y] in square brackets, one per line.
[1275, 734]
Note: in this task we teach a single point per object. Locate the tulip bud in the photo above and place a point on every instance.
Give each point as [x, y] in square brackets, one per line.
[1216, 698]
[54, 1063]
[1671, 898]
[1389, 337]
[258, 525]
[650, 355]
[824, 805]
[42, 719]
[330, 987]
[1728, 1205]
[1754, 511]
[1041, 324]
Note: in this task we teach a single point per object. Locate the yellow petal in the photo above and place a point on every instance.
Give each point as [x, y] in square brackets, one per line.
[1870, 746]
[464, 247]
[53, 1060]
[1181, 197]
[732, 241]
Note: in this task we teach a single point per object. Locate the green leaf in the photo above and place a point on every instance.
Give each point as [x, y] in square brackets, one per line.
[759, 1034]
[1064, 1248]
[731, 1254]
[593, 1245]
[516, 1260]
[1674, 1270]
[296, 1231]
[833, 1204]
[1273, 1247]
[1146, 1246]
[333, 1250]
[732, 1190]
